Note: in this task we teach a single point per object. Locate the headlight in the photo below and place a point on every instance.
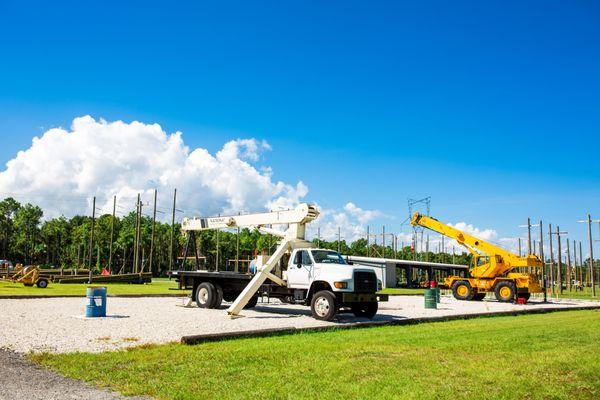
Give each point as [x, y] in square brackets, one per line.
[340, 285]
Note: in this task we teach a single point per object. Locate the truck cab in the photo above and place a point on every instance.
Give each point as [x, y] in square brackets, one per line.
[322, 279]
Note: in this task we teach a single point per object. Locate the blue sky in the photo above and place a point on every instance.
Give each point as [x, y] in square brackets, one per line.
[492, 108]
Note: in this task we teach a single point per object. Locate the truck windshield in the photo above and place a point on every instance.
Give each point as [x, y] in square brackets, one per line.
[327, 257]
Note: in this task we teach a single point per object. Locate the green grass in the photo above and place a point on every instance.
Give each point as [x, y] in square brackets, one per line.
[549, 356]
[401, 291]
[586, 294]
[158, 286]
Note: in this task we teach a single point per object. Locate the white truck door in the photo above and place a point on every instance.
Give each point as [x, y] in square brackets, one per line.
[299, 271]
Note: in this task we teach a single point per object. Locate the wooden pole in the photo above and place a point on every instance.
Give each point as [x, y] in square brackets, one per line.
[91, 248]
[112, 235]
[591, 266]
[568, 265]
[581, 276]
[559, 261]
[544, 277]
[551, 260]
[172, 231]
[150, 266]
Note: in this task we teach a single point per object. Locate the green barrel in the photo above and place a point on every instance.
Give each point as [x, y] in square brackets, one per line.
[438, 294]
[430, 298]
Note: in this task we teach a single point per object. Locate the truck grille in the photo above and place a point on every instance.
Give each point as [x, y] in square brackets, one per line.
[365, 282]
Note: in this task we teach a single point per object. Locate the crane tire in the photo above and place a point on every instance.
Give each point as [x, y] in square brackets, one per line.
[462, 290]
[478, 296]
[205, 295]
[505, 292]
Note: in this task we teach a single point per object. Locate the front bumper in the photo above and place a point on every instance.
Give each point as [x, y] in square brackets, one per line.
[363, 297]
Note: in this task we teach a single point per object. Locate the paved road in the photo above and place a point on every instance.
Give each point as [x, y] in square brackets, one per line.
[22, 380]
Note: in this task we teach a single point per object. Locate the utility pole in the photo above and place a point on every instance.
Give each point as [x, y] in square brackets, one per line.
[91, 246]
[112, 235]
[544, 277]
[591, 264]
[568, 265]
[172, 231]
[581, 269]
[339, 239]
[383, 241]
[137, 235]
[152, 237]
[592, 280]
[520, 254]
[551, 261]
[559, 265]
[575, 263]
[368, 241]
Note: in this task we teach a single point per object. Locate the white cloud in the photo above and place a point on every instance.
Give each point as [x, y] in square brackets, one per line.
[63, 168]
[351, 220]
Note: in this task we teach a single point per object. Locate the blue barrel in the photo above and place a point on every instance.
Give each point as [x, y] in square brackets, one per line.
[96, 307]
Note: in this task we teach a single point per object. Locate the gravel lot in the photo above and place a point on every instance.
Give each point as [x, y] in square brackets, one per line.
[21, 380]
[57, 325]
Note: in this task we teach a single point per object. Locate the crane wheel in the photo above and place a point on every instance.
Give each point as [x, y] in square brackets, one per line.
[505, 292]
[478, 296]
[462, 290]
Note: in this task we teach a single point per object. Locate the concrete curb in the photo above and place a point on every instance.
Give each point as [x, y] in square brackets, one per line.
[212, 337]
[83, 296]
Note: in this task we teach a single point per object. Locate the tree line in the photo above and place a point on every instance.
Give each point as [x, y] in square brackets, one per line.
[26, 237]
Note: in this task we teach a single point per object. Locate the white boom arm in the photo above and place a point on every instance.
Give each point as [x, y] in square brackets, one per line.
[291, 238]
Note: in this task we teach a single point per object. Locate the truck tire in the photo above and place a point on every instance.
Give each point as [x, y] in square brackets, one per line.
[251, 303]
[365, 310]
[205, 295]
[323, 305]
[505, 292]
[218, 297]
[42, 283]
[462, 290]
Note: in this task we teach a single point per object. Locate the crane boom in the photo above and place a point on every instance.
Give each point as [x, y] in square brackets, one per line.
[291, 238]
[491, 263]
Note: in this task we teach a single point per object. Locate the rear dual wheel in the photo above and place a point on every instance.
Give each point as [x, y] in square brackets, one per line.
[209, 295]
[364, 310]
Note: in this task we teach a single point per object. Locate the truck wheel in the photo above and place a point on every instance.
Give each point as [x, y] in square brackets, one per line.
[505, 292]
[365, 310]
[205, 295]
[462, 290]
[218, 296]
[323, 305]
[251, 303]
[42, 283]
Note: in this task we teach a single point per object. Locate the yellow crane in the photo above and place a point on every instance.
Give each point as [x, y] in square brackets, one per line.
[491, 267]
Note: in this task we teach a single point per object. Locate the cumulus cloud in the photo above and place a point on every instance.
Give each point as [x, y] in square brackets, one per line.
[63, 168]
[351, 220]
